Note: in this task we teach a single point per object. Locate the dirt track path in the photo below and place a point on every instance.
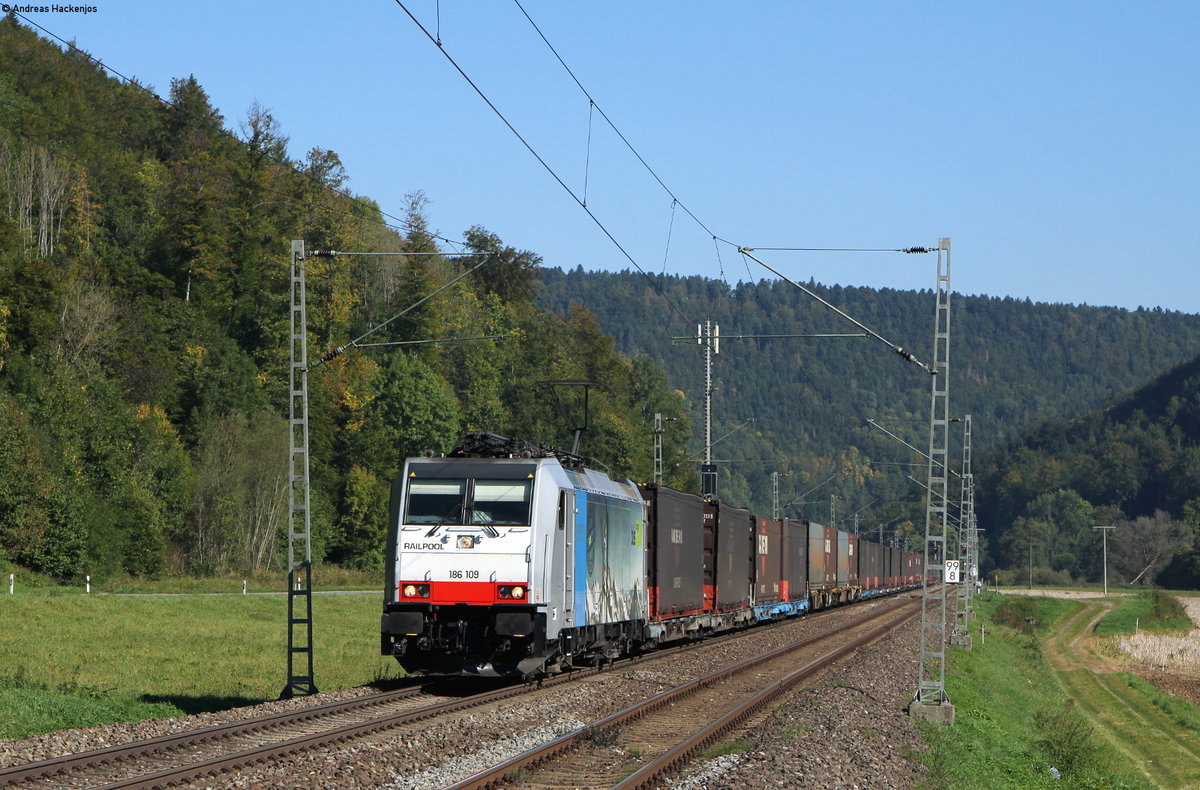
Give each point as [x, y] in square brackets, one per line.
[1147, 739]
[1070, 646]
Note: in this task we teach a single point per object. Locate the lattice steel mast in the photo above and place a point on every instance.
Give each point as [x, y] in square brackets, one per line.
[965, 546]
[300, 644]
[708, 334]
[931, 699]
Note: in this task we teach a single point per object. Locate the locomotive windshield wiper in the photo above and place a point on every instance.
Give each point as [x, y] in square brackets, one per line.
[443, 521]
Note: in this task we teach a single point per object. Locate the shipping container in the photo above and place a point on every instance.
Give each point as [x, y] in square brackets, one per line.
[795, 574]
[675, 551]
[729, 558]
[770, 557]
[822, 563]
[891, 567]
[847, 560]
[870, 557]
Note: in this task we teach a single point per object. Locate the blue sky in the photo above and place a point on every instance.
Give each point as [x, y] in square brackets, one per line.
[1056, 143]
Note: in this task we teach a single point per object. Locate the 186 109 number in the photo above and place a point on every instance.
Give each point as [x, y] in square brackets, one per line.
[464, 574]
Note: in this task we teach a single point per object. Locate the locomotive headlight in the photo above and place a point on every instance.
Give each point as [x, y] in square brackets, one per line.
[518, 591]
[415, 591]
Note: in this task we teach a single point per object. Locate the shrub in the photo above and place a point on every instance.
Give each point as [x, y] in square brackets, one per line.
[1018, 613]
[1165, 606]
[1067, 738]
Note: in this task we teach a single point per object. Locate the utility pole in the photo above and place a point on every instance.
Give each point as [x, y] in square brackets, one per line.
[930, 700]
[1104, 531]
[1031, 565]
[708, 335]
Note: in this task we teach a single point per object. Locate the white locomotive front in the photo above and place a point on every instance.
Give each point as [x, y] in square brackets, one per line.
[511, 567]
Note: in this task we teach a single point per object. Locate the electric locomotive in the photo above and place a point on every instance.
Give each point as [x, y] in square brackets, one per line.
[513, 565]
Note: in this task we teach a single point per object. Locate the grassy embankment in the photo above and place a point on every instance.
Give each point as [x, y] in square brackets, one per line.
[71, 660]
[1026, 700]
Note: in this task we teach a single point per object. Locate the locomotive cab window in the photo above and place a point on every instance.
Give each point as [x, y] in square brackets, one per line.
[435, 501]
[468, 502]
[504, 503]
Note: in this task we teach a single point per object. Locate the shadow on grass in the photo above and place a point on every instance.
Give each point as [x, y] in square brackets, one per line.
[205, 703]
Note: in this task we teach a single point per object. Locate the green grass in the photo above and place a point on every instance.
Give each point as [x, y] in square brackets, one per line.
[325, 577]
[793, 731]
[736, 746]
[72, 659]
[1012, 720]
[1151, 611]
[28, 708]
[1181, 712]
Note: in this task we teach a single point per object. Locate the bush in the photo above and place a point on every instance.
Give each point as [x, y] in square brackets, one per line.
[1067, 738]
[1166, 607]
[1018, 613]
[1048, 577]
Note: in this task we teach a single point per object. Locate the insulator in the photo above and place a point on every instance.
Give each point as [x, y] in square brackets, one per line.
[912, 250]
[333, 352]
[322, 253]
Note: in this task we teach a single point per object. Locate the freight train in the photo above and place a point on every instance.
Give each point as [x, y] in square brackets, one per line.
[512, 560]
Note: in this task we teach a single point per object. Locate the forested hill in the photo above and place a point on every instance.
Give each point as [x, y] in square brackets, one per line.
[1133, 464]
[1015, 364]
[145, 324]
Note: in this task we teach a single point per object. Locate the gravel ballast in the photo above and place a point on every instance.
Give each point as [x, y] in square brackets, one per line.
[847, 731]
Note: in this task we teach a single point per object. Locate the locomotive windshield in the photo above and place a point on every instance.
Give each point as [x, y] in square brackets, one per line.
[468, 502]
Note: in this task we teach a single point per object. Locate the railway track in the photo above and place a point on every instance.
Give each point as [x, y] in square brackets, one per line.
[661, 734]
[173, 759]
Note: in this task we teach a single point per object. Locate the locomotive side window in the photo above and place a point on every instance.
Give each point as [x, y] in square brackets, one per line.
[501, 502]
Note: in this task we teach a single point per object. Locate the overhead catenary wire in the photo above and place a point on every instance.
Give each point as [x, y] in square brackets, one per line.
[900, 350]
[670, 229]
[609, 121]
[339, 350]
[545, 165]
[592, 106]
[587, 162]
[914, 449]
[427, 342]
[909, 250]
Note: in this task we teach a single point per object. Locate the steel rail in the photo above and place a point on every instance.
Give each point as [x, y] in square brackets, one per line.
[680, 754]
[160, 747]
[112, 754]
[497, 773]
